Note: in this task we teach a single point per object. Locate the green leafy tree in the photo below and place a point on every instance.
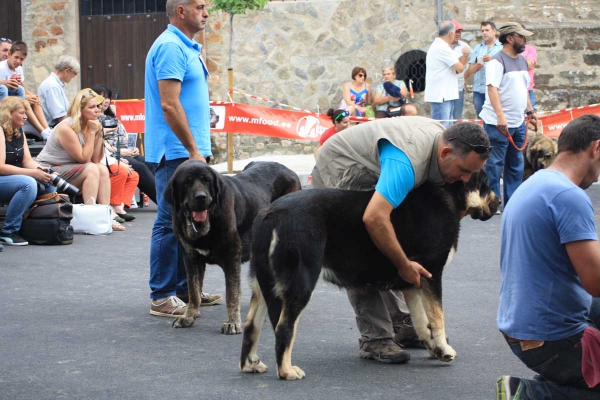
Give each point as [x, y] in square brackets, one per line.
[233, 7]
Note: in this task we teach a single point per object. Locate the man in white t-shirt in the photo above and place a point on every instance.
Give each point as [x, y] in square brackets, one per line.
[12, 83]
[460, 49]
[442, 66]
[506, 100]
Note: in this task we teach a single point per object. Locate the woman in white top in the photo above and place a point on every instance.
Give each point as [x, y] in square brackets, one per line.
[383, 101]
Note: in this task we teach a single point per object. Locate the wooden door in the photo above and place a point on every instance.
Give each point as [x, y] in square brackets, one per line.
[10, 19]
[114, 48]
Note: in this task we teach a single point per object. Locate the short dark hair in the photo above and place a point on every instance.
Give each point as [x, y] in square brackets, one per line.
[358, 70]
[19, 46]
[503, 37]
[490, 23]
[579, 134]
[105, 92]
[463, 137]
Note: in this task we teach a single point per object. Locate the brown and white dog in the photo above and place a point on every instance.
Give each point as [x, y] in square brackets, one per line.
[539, 153]
[212, 219]
[320, 232]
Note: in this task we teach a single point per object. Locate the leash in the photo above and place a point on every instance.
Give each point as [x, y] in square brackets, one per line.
[512, 142]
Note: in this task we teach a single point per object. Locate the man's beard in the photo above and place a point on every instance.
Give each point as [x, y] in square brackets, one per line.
[519, 48]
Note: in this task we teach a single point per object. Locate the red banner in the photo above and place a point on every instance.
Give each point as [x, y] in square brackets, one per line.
[263, 121]
[240, 118]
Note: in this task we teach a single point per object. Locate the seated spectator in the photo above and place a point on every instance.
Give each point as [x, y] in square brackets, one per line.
[341, 121]
[123, 181]
[116, 143]
[12, 83]
[75, 149]
[383, 100]
[356, 94]
[21, 178]
[4, 48]
[51, 92]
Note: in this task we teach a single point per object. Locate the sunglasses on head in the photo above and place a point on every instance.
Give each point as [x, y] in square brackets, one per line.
[342, 114]
[477, 148]
[5, 40]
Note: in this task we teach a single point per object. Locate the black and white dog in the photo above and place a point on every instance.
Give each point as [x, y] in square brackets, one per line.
[320, 232]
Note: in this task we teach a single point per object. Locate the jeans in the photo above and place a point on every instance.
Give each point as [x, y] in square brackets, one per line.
[478, 100]
[19, 191]
[167, 271]
[505, 157]
[559, 363]
[531, 98]
[5, 91]
[442, 111]
[459, 105]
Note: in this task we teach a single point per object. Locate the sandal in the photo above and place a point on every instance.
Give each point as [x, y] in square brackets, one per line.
[117, 226]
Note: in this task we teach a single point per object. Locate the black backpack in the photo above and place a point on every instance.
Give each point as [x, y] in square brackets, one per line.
[48, 220]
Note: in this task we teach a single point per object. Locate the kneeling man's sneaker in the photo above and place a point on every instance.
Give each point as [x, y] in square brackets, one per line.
[510, 388]
[170, 307]
[385, 351]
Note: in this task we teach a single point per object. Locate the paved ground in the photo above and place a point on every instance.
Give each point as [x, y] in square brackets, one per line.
[75, 325]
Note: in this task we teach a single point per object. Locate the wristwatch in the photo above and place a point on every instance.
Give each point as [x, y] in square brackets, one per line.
[533, 111]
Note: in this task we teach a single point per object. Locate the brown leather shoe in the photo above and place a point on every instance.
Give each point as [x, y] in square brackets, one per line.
[205, 299]
[171, 307]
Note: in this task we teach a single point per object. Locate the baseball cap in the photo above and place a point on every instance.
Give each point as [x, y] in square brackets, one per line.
[513, 27]
[457, 26]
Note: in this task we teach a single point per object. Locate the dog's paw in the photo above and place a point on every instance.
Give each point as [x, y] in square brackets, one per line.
[231, 328]
[184, 322]
[292, 374]
[254, 366]
[445, 354]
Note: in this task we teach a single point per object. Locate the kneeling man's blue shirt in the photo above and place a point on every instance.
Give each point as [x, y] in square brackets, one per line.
[174, 56]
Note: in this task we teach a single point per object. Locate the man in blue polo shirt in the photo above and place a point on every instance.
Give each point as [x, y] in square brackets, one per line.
[177, 129]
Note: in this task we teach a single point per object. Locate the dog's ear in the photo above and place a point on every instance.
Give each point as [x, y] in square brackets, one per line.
[172, 191]
[217, 185]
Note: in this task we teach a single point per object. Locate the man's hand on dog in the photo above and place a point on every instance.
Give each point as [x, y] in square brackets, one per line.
[412, 272]
[197, 156]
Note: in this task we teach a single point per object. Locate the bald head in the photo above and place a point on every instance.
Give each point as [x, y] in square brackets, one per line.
[446, 28]
[408, 110]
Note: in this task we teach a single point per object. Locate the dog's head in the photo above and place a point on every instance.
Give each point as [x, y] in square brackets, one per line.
[541, 152]
[480, 201]
[193, 191]
[214, 118]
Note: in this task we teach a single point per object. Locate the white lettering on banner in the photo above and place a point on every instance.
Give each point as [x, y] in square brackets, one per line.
[556, 127]
[260, 121]
[138, 117]
[309, 127]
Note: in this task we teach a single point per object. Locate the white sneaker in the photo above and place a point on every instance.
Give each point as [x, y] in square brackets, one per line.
[46, 133]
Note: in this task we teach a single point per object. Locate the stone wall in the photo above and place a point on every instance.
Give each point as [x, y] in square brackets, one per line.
[301, 53]
[50, 29]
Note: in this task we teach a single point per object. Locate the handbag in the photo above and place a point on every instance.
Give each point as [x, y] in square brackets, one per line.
[92, 219]
[47, 221]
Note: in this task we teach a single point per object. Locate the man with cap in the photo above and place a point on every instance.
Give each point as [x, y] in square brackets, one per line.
[461, 49]
[441, 83]
[506, 102]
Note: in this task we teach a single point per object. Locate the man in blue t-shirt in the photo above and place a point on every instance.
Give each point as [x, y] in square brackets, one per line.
[550, 265]
[177, 129]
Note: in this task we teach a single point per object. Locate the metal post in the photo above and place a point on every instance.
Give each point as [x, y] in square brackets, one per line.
[229, 134]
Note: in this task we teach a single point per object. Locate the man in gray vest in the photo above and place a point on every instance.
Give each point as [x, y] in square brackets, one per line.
[394, 156]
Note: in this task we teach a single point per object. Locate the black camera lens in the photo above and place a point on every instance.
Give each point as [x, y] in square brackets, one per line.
[64, 186]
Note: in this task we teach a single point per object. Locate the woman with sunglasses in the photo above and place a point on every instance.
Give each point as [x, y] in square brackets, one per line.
[75, 149]
[21, 178]
[357, 94]
[383, 100]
